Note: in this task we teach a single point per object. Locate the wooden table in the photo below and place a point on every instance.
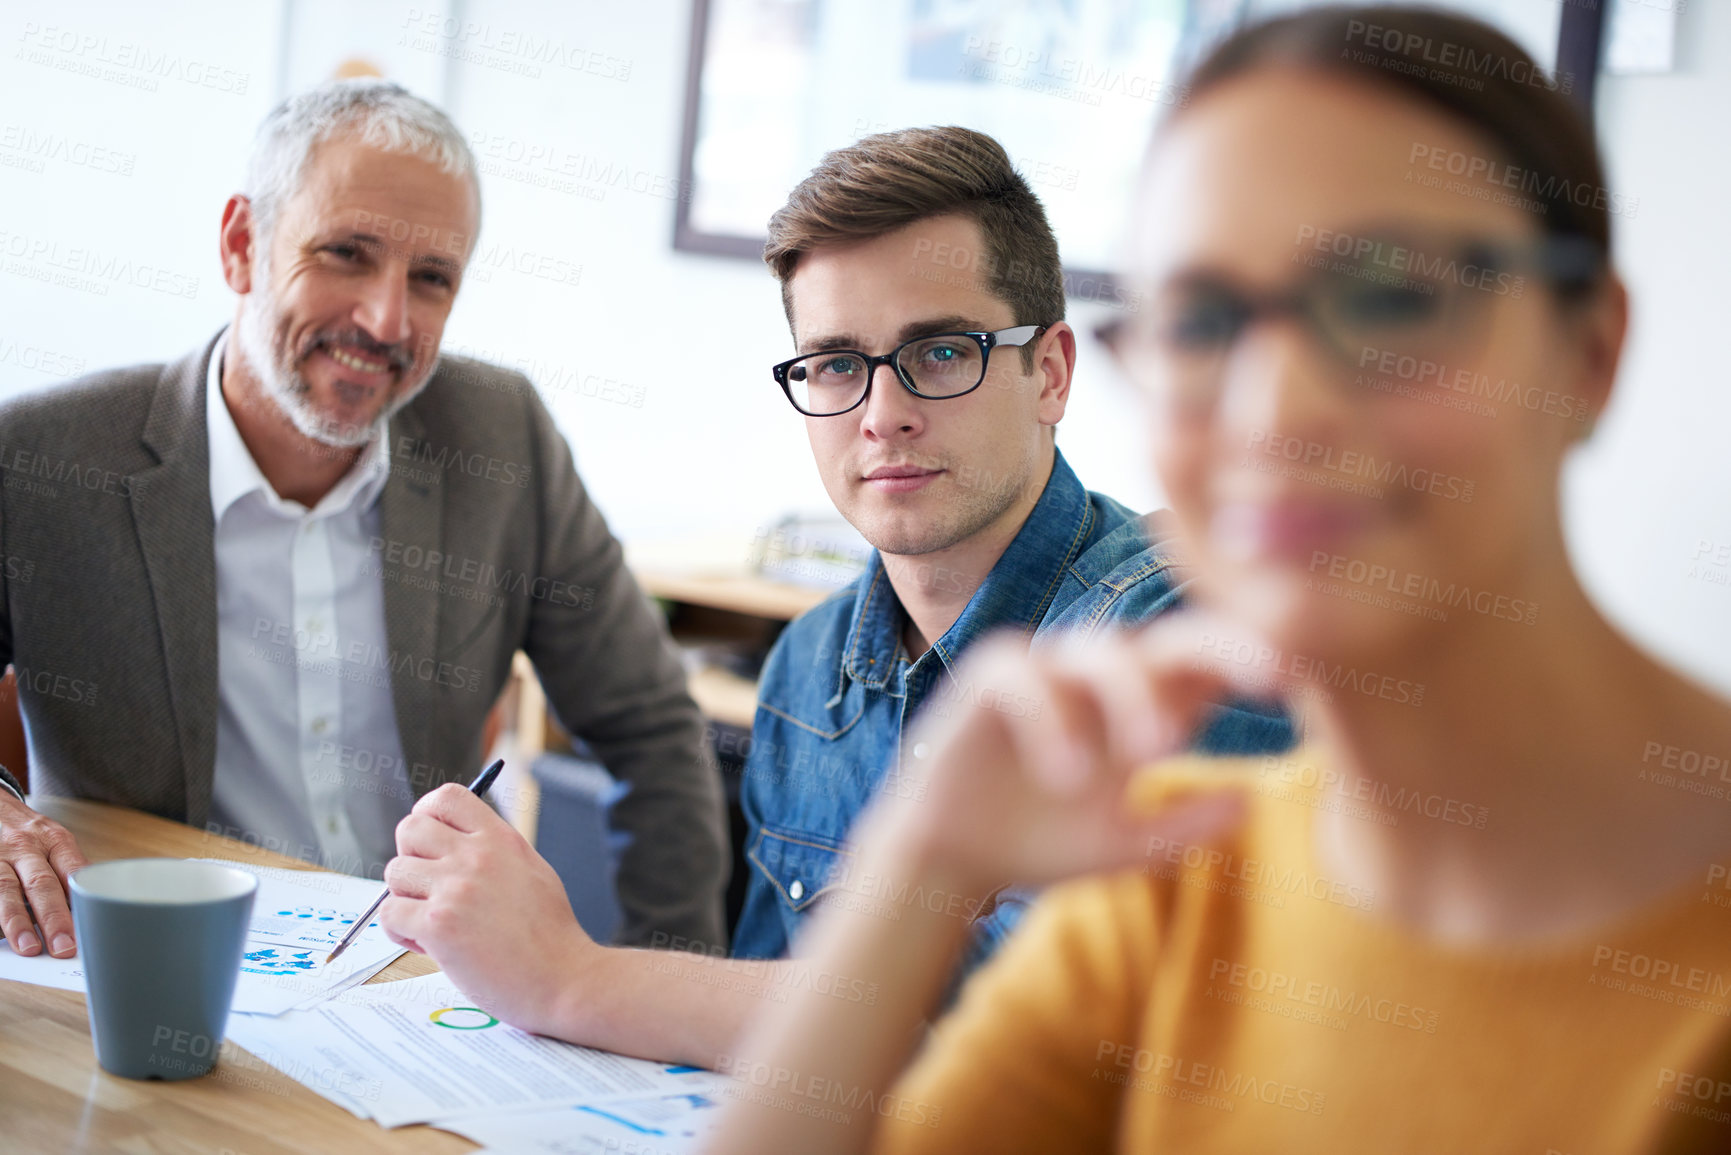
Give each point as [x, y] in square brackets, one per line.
[54, 1098]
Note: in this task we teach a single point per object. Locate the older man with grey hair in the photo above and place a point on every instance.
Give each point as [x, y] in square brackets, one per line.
[279, 582]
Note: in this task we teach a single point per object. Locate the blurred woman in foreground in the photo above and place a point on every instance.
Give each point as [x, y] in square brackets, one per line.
[1485, 906]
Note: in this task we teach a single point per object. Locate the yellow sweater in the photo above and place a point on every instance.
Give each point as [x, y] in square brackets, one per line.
[1237, 999]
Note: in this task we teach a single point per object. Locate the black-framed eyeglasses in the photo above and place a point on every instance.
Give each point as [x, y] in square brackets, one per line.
[936, 367]
[1396, 300]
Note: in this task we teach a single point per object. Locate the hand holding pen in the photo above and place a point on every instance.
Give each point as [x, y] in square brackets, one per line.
[478, 788]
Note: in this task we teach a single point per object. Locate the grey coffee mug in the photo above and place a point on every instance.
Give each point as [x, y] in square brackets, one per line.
[160, 940]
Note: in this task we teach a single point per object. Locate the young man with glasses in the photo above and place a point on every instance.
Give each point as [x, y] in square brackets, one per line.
[922, 284]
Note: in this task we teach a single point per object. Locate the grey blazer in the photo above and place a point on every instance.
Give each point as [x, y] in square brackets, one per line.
[108, 611]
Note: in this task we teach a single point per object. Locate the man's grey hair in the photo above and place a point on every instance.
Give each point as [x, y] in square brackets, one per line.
[380, 113]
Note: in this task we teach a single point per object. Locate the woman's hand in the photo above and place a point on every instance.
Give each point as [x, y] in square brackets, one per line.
[1017, 771]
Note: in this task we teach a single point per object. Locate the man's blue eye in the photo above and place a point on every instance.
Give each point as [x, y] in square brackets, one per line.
[943, 355]
[837, 370]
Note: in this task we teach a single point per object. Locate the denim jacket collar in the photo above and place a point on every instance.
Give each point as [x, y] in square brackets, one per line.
[1017, 591]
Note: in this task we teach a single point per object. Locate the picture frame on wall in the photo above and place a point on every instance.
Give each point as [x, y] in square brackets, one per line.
[1071, 88]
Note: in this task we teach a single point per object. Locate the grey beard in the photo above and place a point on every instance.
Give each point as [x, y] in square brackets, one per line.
[289, 391]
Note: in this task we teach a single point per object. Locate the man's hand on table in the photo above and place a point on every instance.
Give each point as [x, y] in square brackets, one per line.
[37, 856]
[470, 891]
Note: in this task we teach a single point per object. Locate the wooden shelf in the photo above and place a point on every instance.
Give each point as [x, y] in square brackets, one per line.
[740, 593]
[715, 571]
[725, 696]
[721, 694]
[713, 581]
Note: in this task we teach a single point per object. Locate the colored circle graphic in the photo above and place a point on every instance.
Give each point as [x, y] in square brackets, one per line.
[463, 1018]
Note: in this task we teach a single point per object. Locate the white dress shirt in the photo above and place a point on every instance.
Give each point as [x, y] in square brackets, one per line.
[309, 761]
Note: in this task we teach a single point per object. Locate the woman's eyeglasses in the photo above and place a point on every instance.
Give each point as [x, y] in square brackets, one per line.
[1395, 298]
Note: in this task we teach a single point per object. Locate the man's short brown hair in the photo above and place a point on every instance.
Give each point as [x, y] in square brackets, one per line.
[892, 179]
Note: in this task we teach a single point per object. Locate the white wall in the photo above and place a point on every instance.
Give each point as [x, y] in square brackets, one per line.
[1653, 488]
[122, 130]
[691, 435]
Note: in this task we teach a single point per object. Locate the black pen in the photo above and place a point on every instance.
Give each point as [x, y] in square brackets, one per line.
[478, 788]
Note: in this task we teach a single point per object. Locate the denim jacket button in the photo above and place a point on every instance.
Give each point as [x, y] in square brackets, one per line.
[796, 890]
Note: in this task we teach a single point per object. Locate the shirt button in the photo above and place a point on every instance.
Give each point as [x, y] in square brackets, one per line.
[920, 750]
[314, 625]
[318, 726]
[332, 825]
[796, 890]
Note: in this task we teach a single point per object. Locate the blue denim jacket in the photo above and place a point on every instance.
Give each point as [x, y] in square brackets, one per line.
[838, 690]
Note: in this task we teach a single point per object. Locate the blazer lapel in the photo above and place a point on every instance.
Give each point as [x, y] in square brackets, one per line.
[171, 513]
[412, 513]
